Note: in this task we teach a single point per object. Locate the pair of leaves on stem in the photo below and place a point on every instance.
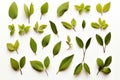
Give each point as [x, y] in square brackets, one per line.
[79, 68]
[103, 9]
[39, 28]
[103, 66]
[39, 66]
[65, 63]
[81, 45]
[106, 40]
[71, 25]
[13, 11]
[23, 29]
[12, 29]
[18, 65]
[56, 48]
[100, 25]
[80, 8]
[62, 9]
[13, 47]
[44, 9]
[29, 11]
[69, 42]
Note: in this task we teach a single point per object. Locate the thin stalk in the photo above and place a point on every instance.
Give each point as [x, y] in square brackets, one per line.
[40, 16]
[84, 51]
[98, 72]
[57, 72]
[16, 51]
[46, 72]
[104, 48]
[29, 20]
[21, 71]
[74, 29]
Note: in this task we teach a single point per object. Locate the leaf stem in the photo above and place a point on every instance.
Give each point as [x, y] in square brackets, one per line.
[29, 20]
[57, 72]
[74, 29]
[98, 72]
[46, 72]
[84, 51]
[16, 51]
[104, 48]
[21, 71]
[40, 16]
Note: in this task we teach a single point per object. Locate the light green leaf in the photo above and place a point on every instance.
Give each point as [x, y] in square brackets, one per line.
[53, 27]
[83, 24]
[106, 70]
[68, 38]
[77, 7]
[87, 8]
[73, 22]
[44, 8]
[27, 12]
[81, 8]
[108, 61]
[22, 62]
[37, 65]
[62, 9]
[26, 29]
[99, 39]
[86, 67]
[16, 45]
[14, 64]
[47, 62]
[99, 8]
[33, 45]
[66, 25]
[106, 7]
[78, 69]
[95, 25]
[79, 42]
[12, 29]
[46, 40]
[88, 43]
[31, 9]
[65, 63]
[41, 28]
[57, 48]
[100, 62]
[10, 47]
[13, 11]
[107, 38]
[36, 27]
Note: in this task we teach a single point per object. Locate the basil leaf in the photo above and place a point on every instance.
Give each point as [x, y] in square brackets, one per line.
[47, 62]
[31, 9]
[44, 8]
[86, 67]
[14, 64]
[22, 62]
[62, 9]
[12, 29]
[66, 25]
[106, 7]
[16, 45]
[46, 40]
[79, 42]
[73, 22]
[27, 12]
[37, 65]
[107, 38]
[10, 47]
[78, 69]
[99, 39]
[99, 8]
[83, 24]
[13, 11]
[53, 27]
[100, 62]
[88, 43]
[65, 63]
[95, 25]
[57, 48]
[87, 8]
[106, 70]
[108, 61]
[33, 45]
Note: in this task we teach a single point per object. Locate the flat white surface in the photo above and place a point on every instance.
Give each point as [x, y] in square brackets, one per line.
[94, 51]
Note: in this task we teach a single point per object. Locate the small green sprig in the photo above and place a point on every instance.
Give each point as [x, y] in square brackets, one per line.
[23, 29]
[69, 42]
[12, 29]
[104, 66]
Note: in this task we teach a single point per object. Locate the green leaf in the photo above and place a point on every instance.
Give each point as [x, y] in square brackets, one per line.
[57, 48]
[62, 9]
[41, 28]
[26, 29]
[22, 62]
[106, 7]
[87, 8]
[33, 45]
[53, 27]
[47, 62]
[81, 8]
[44, 8]
[107, 38]
[13, 11]
[79, 42]
[46, 40]
[31, 9]
[10, 47]
[108, 61]
[65, 63]
[68, 38]
[16, 45]
[73, 22]
[88, 43]
[77, 7]
[36, 27]
[12, 29]
[37, 65]
[86, 67]
[83, 24]
[106, 70]
[27, 12]
[78, 69]
[66, 25]
[100, 62]
[99, 39]
[95, 25]
[14, 64]
[99, 8]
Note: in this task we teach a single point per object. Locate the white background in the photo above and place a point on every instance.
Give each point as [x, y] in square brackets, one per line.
[94, 51]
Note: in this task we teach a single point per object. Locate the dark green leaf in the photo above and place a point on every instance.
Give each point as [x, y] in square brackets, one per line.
[78, 69]
[106, 7]
[46, 40]
[53, 27]
[13, 11]
[108, 61]
[37, 65]
[66, 25]
[14, 64]
[33, 45]
[86, 67]
[100, 62]
[99, 39]
[106, 70]
[57, 48]
[44, 8]
[62, 9]
[47, 62]
[22, 62]
[88, 43]
[79, 42]
[83, 24]
[107, 38]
